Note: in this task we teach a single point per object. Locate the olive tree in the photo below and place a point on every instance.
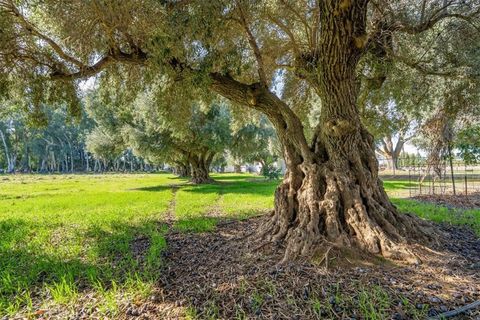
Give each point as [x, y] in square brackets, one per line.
[468, 144]
[189, 143]
[254, 142]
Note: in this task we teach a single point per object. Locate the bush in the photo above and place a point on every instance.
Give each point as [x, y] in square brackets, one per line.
[270, 172]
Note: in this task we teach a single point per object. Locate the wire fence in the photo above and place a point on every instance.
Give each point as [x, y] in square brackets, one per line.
[421, 178]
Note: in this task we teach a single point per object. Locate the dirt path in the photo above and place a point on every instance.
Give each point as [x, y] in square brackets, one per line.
[170, 216]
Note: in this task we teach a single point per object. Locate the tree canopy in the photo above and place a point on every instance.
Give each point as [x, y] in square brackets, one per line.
[188, 142]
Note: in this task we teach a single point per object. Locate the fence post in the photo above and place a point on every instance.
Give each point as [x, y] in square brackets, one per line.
[409, 183]
[451, 168]
[466, 183]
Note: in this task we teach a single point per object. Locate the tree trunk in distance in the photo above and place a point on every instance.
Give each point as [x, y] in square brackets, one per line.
[200, 168]
[237, 168]
[183, 170]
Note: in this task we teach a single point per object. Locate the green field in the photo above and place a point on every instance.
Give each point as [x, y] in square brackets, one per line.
[65, 237]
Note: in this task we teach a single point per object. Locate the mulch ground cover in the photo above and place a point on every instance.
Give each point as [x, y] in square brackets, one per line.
[469, 201]
[224, 275]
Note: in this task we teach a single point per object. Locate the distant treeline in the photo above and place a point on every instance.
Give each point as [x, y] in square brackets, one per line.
[59, 146]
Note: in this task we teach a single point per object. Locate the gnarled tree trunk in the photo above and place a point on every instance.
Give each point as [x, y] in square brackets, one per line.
[182, 170]
[332, 190]
[339, 199]
[200, 168]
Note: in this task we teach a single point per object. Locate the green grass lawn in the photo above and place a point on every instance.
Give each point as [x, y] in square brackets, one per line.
[65, 234]
[398, 192]
[62, 237]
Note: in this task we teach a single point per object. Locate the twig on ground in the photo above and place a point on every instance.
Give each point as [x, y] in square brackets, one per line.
[325, 257]
[458, 311]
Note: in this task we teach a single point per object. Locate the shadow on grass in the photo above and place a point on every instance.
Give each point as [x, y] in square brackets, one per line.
[38, 268]
[115, 258]
[179, 179]
[121, 254]
[261, 187]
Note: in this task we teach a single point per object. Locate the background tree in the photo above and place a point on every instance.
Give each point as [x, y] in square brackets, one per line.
[105, 147]
[254, 142]
[58, 145]
[468, 144]
[392, 128]
[455, 107]
[189, 143]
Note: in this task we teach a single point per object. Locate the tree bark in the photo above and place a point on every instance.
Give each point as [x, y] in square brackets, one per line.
[7, 155]
[13, 163]
[182, 170]
[87, 169]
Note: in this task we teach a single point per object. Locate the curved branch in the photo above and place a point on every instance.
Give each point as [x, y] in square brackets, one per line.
[32, 30]
[434, 19]
[257, 97]
[88, 71]
[422, 68]
[254, 45]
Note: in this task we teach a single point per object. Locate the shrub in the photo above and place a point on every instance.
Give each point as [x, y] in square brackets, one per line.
[270, 172]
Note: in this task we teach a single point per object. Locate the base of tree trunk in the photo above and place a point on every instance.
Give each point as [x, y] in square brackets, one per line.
[319, 204]
[201, 180]
[200, 175]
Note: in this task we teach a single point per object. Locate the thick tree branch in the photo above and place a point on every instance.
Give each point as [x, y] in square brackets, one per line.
[260, 98]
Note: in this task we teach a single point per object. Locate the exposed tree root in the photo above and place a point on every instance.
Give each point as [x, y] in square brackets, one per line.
[334, 206]
[201, 180]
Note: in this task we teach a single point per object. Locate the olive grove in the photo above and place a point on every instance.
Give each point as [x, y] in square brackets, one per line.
[329, 55]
